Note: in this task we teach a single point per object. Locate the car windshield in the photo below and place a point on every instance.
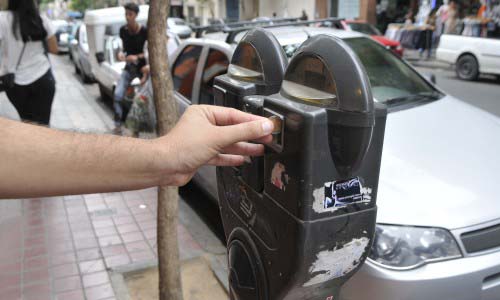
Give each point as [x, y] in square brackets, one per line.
[180, 22]
[364, 28]
[392, 81]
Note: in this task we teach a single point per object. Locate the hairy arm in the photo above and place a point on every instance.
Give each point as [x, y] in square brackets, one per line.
[39, 161]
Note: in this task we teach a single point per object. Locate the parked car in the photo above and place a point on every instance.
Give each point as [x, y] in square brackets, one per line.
[179, 27]
[72, 36]
[472, 56]
[438, 213]
[62, 29]
[79, 50]
[104, 44]
[372, 31]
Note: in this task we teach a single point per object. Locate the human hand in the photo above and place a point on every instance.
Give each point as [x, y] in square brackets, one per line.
[211, 135]
[132, 58]
[121, 56]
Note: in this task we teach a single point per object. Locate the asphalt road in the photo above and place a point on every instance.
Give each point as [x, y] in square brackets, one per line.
[483, 93]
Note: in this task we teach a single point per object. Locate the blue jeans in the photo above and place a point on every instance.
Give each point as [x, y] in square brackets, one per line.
[120, 90]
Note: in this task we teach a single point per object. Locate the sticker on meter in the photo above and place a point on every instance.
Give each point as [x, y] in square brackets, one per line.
[343, 192]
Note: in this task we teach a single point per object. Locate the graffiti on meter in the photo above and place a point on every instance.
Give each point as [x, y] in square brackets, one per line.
[337, 194]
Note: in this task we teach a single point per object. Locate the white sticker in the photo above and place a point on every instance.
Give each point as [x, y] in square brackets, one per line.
[331, 264]
[337, 194]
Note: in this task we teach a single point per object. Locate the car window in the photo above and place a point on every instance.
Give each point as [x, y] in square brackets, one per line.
[184, 70]
[216, 64]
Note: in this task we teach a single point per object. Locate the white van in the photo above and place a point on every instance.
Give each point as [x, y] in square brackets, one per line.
[103, 29]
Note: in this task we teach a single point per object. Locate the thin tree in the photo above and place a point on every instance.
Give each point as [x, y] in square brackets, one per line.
[166, 112]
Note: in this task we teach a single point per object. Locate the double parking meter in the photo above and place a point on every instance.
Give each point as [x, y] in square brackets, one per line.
[300, 220]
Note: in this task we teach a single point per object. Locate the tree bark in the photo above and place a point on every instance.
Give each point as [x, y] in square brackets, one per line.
[166, 111]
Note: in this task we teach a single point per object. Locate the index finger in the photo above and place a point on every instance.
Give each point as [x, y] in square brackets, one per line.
[224, 116]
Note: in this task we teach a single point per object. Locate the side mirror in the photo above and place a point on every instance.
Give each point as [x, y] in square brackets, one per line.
[100, 57]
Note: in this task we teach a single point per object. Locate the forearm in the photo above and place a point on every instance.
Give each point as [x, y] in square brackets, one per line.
[39, 161]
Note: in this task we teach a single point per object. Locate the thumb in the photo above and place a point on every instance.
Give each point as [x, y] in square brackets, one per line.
[245, 132]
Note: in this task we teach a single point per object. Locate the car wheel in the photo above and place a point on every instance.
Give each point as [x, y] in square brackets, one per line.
[77, 71]
[104, 95]
[467, 67]
[86, 78]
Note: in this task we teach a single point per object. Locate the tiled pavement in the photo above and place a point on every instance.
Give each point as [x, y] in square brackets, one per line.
[62, 247]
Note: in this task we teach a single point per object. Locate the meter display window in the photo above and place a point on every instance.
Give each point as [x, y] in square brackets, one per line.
[309, 79]
[216, 64]
[184, 70]
[246, 63]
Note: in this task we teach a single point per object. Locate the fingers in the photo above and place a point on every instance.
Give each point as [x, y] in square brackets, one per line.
[224, 116]
[227, 160]
[248, 131]
[247, 149]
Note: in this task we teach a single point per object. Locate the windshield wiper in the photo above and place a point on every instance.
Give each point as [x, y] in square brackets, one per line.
[429, 96]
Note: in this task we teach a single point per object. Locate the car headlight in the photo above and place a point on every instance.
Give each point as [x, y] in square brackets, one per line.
[405, 247]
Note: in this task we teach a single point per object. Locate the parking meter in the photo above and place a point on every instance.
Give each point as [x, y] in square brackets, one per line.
[310, 227]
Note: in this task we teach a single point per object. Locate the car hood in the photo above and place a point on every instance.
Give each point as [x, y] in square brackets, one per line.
[440, 166]
[385, 41]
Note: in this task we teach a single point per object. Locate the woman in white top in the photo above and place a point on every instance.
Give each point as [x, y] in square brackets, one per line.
[26, 37]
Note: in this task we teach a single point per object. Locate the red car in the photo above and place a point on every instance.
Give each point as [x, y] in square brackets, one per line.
[372, 31]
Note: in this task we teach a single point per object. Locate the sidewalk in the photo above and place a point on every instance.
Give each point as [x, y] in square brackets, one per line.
[414, 58]
[66, 247]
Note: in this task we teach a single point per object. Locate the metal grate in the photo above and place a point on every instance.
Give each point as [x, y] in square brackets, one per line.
[482, 239]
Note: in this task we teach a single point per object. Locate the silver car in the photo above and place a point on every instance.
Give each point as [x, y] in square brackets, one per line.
[79, 49]
[438, 232]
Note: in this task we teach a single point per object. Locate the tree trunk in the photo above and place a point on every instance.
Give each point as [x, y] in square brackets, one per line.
[166, 112]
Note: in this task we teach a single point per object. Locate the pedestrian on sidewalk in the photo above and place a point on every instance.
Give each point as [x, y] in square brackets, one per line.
[26, 37]
[133, 36]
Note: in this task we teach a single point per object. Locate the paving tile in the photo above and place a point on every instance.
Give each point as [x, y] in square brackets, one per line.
[95, 279]
[36, 292]
[36, 275]
[113, 250]
[35, 251]
[64, 270]
[62, 258]
[83, 234]
[85, 243]
[103, 223]
[144, 217]
[137, 246]
[88, 254]
[99, 292]
[81, 226]
[150, 224]
[126, 228]
[142, 256]
[10, 268]
[132, 237]
[123, 220]
[62, 247]
[118, 260]
[100, 232]
[36, 263]
[10, 280]
[150, 233]
[11, 293]
[109, 241]
[67, 284]
[71, 295]
[34, 242]
[91, 266]
[32, 232]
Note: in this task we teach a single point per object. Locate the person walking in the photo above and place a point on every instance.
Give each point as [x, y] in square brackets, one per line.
[133, 36]
[26, 38]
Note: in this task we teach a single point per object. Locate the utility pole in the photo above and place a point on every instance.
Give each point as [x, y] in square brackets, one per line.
[166, 112]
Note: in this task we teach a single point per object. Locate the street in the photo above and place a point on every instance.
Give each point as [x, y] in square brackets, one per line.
[483, 93]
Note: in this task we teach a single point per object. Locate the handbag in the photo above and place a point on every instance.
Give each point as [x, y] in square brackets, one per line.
[7, 81]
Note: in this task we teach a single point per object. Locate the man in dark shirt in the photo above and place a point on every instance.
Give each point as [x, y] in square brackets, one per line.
[133, 36]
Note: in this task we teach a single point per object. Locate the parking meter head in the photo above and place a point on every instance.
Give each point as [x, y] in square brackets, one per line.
[257, 68]
[325, 72]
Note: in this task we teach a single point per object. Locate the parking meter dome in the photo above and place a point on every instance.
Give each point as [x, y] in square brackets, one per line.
[325, 72]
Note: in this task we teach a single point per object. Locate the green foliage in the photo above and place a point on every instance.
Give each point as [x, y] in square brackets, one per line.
[81, 5]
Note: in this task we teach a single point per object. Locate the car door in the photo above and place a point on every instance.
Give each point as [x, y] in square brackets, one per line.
[490, 55]
[215, 63]
[111, 67]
